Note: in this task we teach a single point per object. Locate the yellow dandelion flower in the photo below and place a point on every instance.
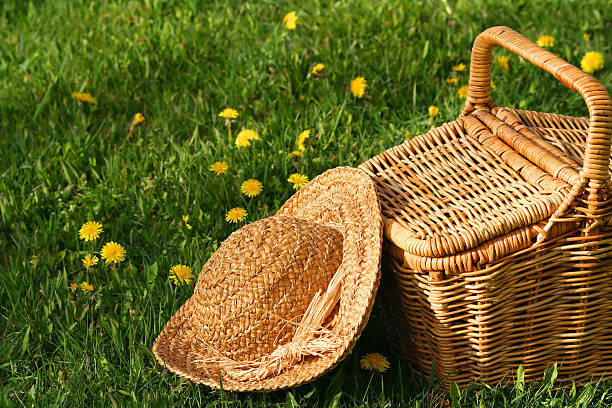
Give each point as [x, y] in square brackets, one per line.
[358, 86]
[459, 67]
[90, 230]
[546, 41]
[493, 85]
[295, 154]
[90, 261]
[73, 287]
[407, 134]
[138, 118]
[586, 36]
[302, 138]
[298, 180]
[318, 68]
[251, 188]
[181, 274]
[502, 61]
[186, 221]
[451, 81]
[591, 62]
[462, 91]
[375, 361]
[236, 215]
[242, 140]
[290, 20]
[228, 113]
[218, 167]
[86, 287]
[245, 136]
[112, 252]
[84, 97]
[433, 111]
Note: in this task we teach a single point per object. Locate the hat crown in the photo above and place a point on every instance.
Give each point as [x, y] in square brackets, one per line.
[254, 290]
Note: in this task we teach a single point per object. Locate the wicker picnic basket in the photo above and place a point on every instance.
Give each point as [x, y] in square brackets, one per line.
[499, 235]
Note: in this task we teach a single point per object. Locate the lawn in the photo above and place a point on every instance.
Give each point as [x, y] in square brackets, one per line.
[180, 63]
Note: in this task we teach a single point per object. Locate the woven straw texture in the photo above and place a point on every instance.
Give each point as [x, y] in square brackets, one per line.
[499, 233]
[256, 288]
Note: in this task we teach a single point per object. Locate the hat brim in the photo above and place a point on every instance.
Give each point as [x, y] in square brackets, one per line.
[346, 199]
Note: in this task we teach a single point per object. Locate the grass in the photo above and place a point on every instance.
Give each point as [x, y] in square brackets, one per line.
[179, 63]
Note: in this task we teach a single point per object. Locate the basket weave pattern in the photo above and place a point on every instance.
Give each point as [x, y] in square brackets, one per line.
[499, 233]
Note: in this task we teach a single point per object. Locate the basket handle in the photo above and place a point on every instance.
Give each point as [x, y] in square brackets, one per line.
[597, 154]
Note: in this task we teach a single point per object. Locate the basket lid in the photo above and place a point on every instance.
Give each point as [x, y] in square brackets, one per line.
[463, 184]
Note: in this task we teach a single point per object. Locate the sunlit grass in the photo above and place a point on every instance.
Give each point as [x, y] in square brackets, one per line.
[65, 161]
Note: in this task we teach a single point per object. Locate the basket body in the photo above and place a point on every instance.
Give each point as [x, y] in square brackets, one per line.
[498, 230]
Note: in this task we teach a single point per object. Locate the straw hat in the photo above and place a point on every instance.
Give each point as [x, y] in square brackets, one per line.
[284, 299]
